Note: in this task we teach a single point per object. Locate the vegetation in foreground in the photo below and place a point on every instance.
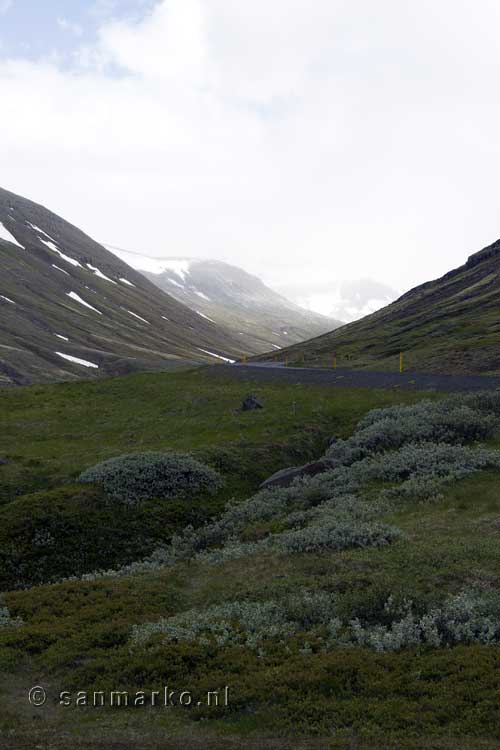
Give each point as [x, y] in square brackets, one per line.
[390, 638]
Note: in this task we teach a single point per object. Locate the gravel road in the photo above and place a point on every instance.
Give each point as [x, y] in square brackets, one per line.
[276, 373]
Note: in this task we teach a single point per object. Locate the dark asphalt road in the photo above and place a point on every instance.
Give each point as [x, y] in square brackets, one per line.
[275, 373]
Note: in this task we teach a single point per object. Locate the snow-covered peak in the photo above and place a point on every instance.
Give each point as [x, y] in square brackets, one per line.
[179, 266]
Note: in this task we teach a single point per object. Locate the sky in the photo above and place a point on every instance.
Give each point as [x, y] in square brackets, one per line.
[343, 150]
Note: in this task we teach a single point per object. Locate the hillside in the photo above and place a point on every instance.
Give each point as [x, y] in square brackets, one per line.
[69, 308]
[450, 325]
[358, 608]
[233, 298]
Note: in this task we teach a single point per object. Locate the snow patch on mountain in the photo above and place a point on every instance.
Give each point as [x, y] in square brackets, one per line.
[100, 273]
[76, 297]
[52, 246]
[179, 266]
[60, 269]
[218, 356]
[139, 317]
[176, 283]
[40, 231]
[77, 360]
[7, 236]
[204, 316]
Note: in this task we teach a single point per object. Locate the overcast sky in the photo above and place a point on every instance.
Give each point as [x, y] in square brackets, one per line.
[311, 141]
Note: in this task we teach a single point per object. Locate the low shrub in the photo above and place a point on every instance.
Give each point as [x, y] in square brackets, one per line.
[467, 618]
[413, 450]
[7, 621]
[453, 420]
[245, 623]
[76, 529]
[335, 536]
[426, 461]
[134, 477]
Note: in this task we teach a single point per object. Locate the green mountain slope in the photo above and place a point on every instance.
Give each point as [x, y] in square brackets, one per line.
[449, 325]
[69, 308]
[233, 298]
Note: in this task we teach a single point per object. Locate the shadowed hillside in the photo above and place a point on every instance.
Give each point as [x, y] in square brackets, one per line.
[71, 309]
[449, 325]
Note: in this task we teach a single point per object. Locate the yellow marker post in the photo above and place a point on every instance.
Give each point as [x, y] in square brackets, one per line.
[400, 361]
[244, 359]
[286, 361]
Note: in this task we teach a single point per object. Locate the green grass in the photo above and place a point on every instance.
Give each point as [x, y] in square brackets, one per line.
[76, 633]
[51, 433]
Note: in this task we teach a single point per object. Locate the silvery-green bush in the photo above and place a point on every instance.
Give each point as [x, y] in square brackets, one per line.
[452, 420]
[416, 450]
[339, 518]
[469, 617]
[141, 476]
[334, 536]
[245, 623]
[487, 402]
[426, 461]
[7, 621]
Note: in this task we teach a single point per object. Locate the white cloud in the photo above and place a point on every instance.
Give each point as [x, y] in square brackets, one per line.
[168, 44]
[72, 28]
[343, 300]
[324, 141]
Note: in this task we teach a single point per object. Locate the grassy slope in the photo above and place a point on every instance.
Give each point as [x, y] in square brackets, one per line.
[165, 334]
[240, 302]
[448, 325]
[53, 432]
[76, 633]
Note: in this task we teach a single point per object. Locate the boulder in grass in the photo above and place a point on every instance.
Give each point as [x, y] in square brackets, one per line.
[251, 403]
[285, 477]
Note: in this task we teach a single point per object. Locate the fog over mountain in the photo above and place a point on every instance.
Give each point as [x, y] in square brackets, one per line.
[293, 139]
[342, 300]
[262, 319]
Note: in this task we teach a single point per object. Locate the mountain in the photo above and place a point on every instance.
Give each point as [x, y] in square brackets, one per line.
[450, 325]
[342, 300]
[233, 298]
[69, 308]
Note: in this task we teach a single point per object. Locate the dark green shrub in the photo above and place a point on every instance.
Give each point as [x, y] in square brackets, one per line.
[76, 529]
[134, 477]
